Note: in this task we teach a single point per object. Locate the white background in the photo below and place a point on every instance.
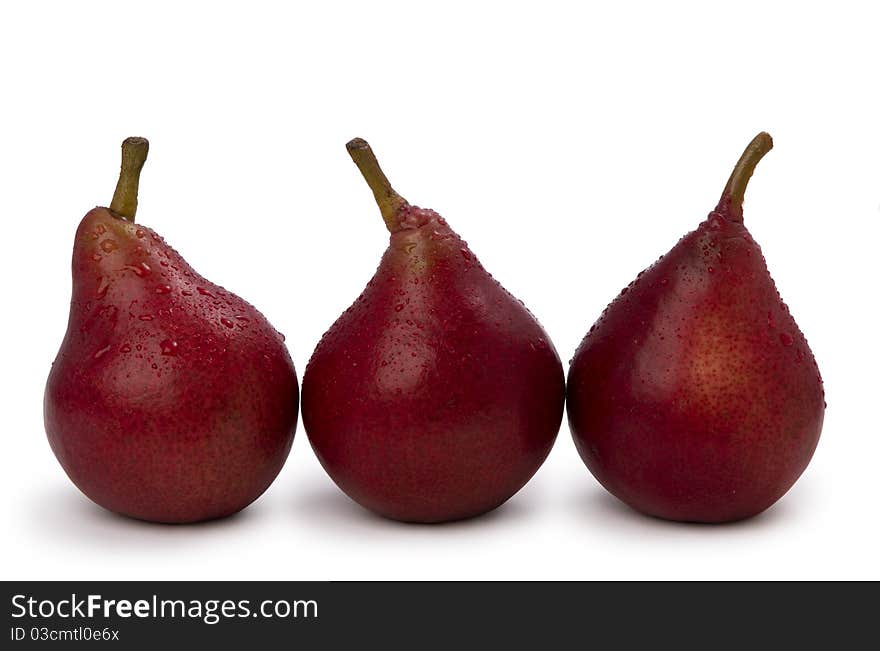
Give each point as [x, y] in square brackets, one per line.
[570, 144]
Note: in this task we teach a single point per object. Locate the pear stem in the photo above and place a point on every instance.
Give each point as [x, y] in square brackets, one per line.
[125, 198]
[389, 201]
[734, 192]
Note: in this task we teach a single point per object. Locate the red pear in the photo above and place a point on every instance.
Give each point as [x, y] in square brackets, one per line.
[171, 399]
[437, 395]
[695, 396]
